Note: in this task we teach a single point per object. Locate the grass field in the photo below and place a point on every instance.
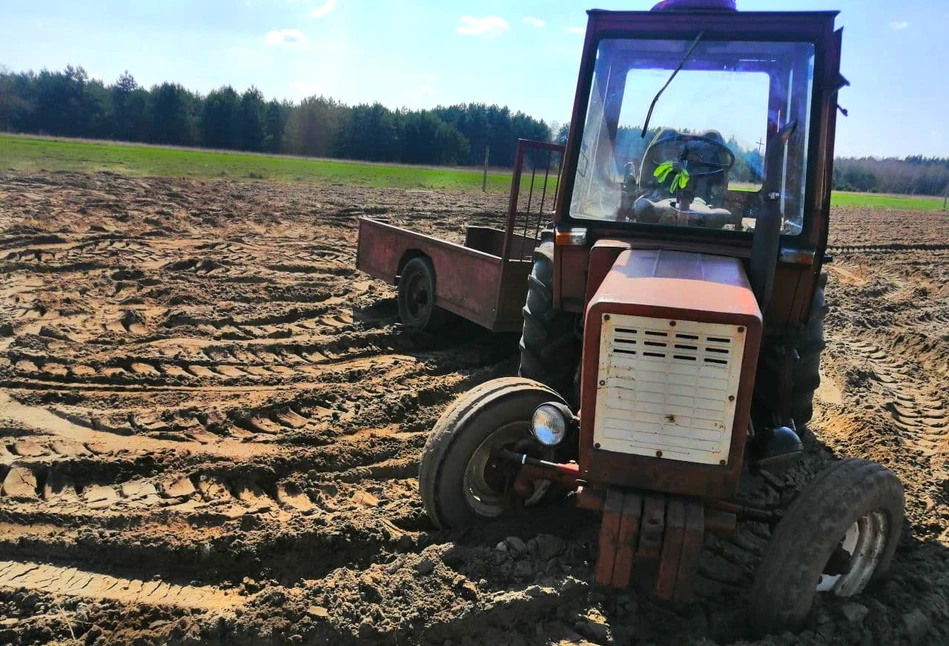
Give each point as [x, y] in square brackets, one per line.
[878, 201]
[29, 153]
[38, 153]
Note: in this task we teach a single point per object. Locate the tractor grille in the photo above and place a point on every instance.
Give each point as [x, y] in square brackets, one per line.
[667, 390]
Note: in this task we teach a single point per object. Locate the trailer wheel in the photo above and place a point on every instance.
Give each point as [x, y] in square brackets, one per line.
[836, 537]
[459, 481]
[417, 308]
[550, 349]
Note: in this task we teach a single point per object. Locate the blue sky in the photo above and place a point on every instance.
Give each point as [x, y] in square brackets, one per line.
[421, 53]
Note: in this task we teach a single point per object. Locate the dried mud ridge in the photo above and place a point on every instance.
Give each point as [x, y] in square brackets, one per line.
[210, 426]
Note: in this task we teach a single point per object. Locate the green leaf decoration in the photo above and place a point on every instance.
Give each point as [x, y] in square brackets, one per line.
[683, 178]
[679, 181]
[662, 171]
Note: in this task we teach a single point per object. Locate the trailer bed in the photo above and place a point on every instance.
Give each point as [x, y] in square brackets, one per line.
[485, 279]
[470, 280]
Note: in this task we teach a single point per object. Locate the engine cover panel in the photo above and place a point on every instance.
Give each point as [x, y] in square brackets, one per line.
[664, 418]
[667, 388]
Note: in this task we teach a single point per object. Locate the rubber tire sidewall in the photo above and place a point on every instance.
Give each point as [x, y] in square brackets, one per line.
[435, 318]
[810, 346]
[787, 578]
[460, 431]
[550, 347]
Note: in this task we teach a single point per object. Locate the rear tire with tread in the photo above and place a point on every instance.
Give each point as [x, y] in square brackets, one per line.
[810, 345]
[550, 349]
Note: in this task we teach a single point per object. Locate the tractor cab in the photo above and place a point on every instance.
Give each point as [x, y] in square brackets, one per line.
[676, 131]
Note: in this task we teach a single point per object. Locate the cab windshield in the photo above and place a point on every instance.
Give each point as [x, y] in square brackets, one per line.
[702, 160]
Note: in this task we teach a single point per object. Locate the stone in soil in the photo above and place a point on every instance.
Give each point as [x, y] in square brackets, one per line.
[917, 625]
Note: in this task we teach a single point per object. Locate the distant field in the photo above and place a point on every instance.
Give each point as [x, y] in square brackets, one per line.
[28, 153]
[37, 153]
[877, 201]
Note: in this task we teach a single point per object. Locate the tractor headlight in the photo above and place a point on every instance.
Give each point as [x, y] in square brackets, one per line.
[550, 423]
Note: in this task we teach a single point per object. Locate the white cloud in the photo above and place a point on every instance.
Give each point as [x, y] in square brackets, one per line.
[898, 25]
[576, 30]
[490, 27]
[323, 9]
[534, 22]
[286, 37]
[302, 90]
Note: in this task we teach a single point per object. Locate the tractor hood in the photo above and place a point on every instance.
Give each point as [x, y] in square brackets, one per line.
[671, 344]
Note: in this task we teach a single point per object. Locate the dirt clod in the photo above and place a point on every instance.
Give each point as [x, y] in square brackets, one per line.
[20, 483]
[425, 565]
[177, 488]
[319, 612]
[516, 546]
[854, 612]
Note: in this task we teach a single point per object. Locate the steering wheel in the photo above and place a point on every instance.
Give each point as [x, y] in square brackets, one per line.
[699, 156]
[693, 156]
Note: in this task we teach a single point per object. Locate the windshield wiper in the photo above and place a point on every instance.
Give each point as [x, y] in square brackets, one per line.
[685, 59]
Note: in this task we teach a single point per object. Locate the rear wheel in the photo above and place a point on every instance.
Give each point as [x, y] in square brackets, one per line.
[809, 347]
[838, 535]
[417, 308]
[550, 349]
[459, 481]
[806, 369]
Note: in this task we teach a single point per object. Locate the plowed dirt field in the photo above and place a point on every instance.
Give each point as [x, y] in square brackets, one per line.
[210, 427]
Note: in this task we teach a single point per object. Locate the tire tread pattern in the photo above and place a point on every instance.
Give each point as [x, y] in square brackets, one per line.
[786, 582]
[550, 349]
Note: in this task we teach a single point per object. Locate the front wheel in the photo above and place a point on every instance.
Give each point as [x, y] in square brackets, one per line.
[459, 480]
[838, 535]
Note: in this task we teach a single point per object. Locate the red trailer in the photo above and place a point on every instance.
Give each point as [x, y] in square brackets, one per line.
[485, 280]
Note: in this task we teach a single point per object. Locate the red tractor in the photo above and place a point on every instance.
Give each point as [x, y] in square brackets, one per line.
[672, 318]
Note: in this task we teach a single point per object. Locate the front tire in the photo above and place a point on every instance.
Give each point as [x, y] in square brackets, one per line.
[851, 511]
[458, 482]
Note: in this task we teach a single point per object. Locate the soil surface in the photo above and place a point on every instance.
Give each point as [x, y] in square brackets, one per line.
[210, 427]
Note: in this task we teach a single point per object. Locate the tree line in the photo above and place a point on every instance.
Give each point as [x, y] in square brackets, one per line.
[70, 103]
[914, 175]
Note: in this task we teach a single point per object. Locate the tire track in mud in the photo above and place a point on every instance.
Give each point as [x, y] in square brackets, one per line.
[318, 411]
[72, 582]
[917, 408]
[887, 248]
[218, 400]
[229, 420]
[228, 365]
